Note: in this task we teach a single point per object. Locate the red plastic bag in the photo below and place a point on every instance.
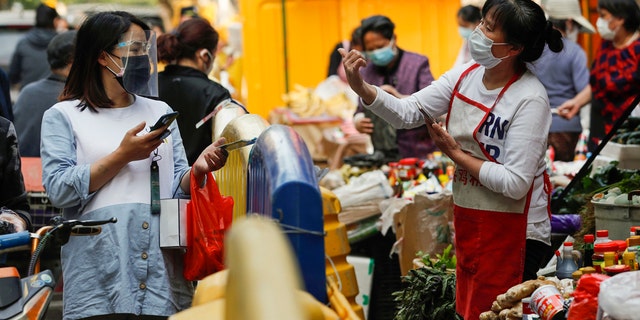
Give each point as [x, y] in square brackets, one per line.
[209, 215]
[585, 297]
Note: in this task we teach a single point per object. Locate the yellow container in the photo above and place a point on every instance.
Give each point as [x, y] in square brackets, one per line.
[336, 244]
[232, 178]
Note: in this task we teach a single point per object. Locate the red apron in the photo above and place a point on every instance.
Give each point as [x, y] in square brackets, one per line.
[490, 229]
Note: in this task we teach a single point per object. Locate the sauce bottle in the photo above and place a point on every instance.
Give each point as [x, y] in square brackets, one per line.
[566, 265]
[588, 250]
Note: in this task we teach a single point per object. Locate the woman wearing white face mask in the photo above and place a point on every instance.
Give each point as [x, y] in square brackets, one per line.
[613, 92]
[468, 18]
[184, 85]
[565, 75]
[498, 119]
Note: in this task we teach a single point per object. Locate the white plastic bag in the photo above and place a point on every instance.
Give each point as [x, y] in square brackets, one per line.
[619, 297]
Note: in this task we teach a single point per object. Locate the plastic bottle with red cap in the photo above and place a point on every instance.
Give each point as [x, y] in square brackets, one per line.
[602, 236]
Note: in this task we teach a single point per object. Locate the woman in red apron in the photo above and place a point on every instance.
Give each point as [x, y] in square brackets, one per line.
[497, 125]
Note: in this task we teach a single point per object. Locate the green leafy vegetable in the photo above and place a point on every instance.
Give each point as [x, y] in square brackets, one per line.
[427, 294]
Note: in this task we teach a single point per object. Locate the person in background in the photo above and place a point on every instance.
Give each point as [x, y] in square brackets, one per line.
[400, 73]
[468, 19]
[335, 59]
[5, 96]
[614, 92]
[184, 84]
[39, 96]
[565, 75]
[156, 26]
[497, 125]
[99, 161]
[14, 203]
[29, 60]
[187, 13]
[14, 206]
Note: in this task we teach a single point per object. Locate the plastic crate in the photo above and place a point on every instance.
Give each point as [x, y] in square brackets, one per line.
[618, 219]
[627, 155]
[41, 209]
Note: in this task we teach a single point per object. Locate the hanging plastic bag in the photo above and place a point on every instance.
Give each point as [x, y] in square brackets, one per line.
[209, 215]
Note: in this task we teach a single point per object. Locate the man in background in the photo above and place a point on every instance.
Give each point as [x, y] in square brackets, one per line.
[39, 96]
[29, 60]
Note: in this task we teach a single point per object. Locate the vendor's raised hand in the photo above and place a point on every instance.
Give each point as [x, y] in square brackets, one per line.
[352, 62]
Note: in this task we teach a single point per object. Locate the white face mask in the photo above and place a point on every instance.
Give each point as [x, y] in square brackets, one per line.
[573, 34]
[603, 29]
[480, 49]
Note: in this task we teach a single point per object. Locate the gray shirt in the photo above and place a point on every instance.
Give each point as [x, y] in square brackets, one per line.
[563, 74]
[33, 101]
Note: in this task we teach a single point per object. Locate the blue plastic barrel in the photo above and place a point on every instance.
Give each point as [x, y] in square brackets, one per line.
[282, 184]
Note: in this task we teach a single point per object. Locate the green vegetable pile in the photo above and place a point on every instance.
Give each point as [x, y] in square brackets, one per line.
[629, 132]
[443, 261]
[429, 293]
[606, 177]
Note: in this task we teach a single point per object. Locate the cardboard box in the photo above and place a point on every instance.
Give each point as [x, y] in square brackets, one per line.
[173, 223]
[424, 225]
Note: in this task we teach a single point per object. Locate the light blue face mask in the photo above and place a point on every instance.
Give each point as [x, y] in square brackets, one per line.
[464, 32]
[383, 56]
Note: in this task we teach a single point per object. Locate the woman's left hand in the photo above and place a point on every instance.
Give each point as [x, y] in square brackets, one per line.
[211, 159]
[443, 140]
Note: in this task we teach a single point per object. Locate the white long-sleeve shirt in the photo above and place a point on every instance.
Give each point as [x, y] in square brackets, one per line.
[515, 133]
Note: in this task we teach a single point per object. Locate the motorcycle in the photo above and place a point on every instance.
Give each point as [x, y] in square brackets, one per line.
[28, 298]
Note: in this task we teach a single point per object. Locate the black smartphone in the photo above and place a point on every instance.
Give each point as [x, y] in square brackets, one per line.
[164, 120]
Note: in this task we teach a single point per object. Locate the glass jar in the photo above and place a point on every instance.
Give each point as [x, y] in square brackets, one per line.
[598, 254]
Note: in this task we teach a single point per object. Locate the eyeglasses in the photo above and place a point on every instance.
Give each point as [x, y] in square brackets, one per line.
[135, 47]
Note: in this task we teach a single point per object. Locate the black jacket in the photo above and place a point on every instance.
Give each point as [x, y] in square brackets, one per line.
[12, 192]
[194, 95]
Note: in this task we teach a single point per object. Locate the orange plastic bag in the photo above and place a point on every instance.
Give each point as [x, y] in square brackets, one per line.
[209, 215]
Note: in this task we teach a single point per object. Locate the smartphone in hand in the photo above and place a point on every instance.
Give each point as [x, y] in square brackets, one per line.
[429, 119]
[164, 120]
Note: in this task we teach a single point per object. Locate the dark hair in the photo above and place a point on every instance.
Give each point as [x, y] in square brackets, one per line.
[191, 35]
[623, 9]
[560, 24]
[470, 13]
[60, 49]
[378, 24]
[100, 32]
[45, 16]
[356, 37]
[524, 24]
